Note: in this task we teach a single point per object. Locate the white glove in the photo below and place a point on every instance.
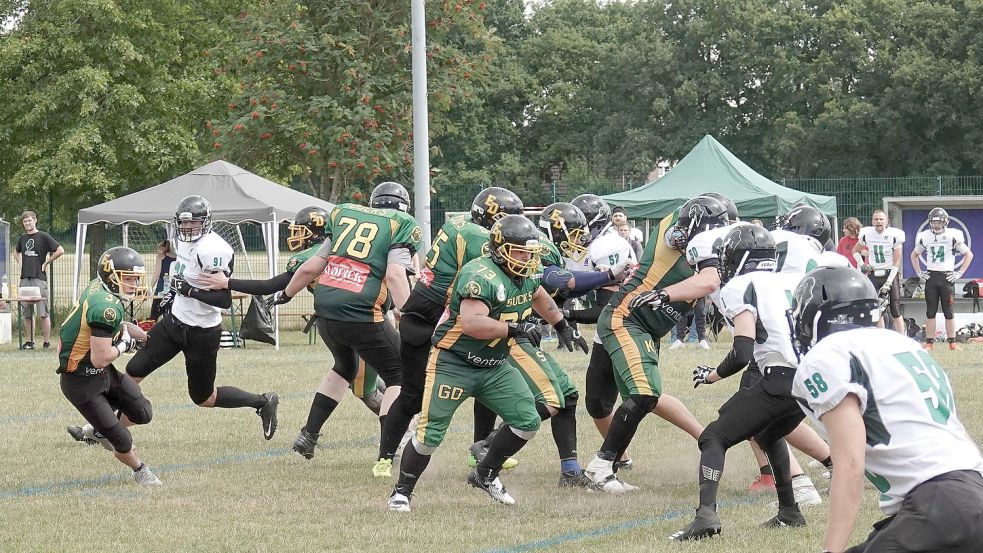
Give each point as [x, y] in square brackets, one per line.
[953, 276]
[886, 288]
[619, 269]
[125, 343]
[701, 375]
[923, 276]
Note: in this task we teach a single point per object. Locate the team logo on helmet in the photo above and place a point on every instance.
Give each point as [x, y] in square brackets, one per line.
[491, 205]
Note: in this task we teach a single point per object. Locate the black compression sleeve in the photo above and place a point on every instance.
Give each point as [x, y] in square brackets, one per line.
[264, 287]
[738, 358]
[215, 298]
[591, 314]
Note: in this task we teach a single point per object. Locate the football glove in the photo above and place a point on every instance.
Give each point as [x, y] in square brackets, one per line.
[866, 269]
[652, 298]
[923, 276]
[885, 288]
[619, 270]
[181, 286]
[569, 337]
[953, 276]
[167, 301]
[529, 331]
[701, 375]
[278, 298]
[125, 343]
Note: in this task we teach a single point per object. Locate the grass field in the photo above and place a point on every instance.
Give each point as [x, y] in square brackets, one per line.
[226, 489]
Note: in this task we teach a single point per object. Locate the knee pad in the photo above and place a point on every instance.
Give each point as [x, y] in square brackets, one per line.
[199, 396]
[932, 311]
[895, 310]
[414, 330]
[709, 436]
[643, 404]
[120, 438]
[571, 399]
[525, 434]
[947, 312]
[422, 449]
[597, 407]
[543, 410]
[141, 413]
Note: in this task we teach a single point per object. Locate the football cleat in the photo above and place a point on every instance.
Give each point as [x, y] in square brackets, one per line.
[805, 492]
[705, 525]
[787, 517]
[305, 443]
[491, 486]
[601, 474]
[146, 477]
[79, 436]
[478, 451]
[399, 503]
[763, 483]
[383, 468]
[624, 464]
[677, 344]
[575, 480]
[90, 436]
[268, 414]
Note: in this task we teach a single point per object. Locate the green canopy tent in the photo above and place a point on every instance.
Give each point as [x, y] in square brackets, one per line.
[709, 167]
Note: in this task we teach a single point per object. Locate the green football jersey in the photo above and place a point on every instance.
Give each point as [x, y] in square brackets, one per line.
[483, 280]
[299, 258]
[458, 242]
[353, 286]
[659, 267]
[97, 310]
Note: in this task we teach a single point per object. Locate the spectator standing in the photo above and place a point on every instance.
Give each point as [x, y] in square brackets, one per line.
[851, 232]
[883, 264]
[620, 217]
[34, 252]
[624, 231]
[162, 273]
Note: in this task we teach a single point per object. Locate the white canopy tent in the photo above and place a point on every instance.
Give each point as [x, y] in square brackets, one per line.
[237, 196]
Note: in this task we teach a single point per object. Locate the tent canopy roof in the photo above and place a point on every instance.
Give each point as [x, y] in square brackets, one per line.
[236, 195]
[709, 167]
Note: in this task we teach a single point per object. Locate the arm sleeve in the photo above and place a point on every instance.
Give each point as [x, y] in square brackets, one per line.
[402, 256]
[585, 281]
[738, 357]
[591, 314]
[264, 287]
[215, 298]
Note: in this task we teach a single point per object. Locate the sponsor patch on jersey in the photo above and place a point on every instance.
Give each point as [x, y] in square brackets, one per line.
[109, 314]
[417, 234]
[501, 292]
[426, 277]
[473, 289]
[292, 264]
[345, 274]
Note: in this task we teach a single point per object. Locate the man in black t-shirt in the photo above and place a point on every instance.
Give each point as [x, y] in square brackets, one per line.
[34, 252]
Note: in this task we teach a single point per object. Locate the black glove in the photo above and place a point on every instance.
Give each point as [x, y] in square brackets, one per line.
[167, 301]
[279, 298]
[529, 331]
[701, 375]
[181, 286]
[652, 298]
[125, 343]
[569, 336]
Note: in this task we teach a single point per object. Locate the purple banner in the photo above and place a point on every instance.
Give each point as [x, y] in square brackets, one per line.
[915, 220]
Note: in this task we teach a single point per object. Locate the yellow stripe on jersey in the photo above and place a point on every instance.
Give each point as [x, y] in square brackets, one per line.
[535, 372]
[462, 245]
[82, 342]
[634, 357]
[662, 262]
[431, 375]
[377, 315]
[452, 335]
[358, 384]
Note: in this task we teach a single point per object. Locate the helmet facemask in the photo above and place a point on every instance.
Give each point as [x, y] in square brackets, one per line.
[187, 231]
[511, 256]
[299, 237]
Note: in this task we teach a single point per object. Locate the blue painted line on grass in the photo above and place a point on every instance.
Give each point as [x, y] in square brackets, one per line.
[611, 529]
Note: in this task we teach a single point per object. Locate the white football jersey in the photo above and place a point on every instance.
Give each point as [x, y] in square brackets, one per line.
[768, 296]
[607, 250]
[796, 253]
[881, 245]
[706, 244]
[209, 254]
[940, 249]
[833, 259]
[913, 433]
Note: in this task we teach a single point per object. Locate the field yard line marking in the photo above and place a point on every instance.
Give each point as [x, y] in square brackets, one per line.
[614, 528]
[69, 412]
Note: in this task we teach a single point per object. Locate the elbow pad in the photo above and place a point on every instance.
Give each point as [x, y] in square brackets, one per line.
[738, 357]
[557, 277]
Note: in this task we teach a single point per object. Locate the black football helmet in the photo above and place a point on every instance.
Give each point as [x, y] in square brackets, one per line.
[566, 226]
[809, 222]
[828, 300]
[511, 235]
[596, 211]
[695, 216]
[307, 228]
[123, 273]
[390, 195]
[493, 203]
[938, 219]
[746, 248]
[728, 203]
[193, 208]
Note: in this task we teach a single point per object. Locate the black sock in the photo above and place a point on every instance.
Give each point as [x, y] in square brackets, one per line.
[712, 454]
[138, 469]
[828, 462]
[389, 438]
[504, 445]
[622, 430]
[321, 409]
[484, 421]
[777, 453]
[411, 467]
[766, 470]
[397, 421]
[228, 397]
[564, 427]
